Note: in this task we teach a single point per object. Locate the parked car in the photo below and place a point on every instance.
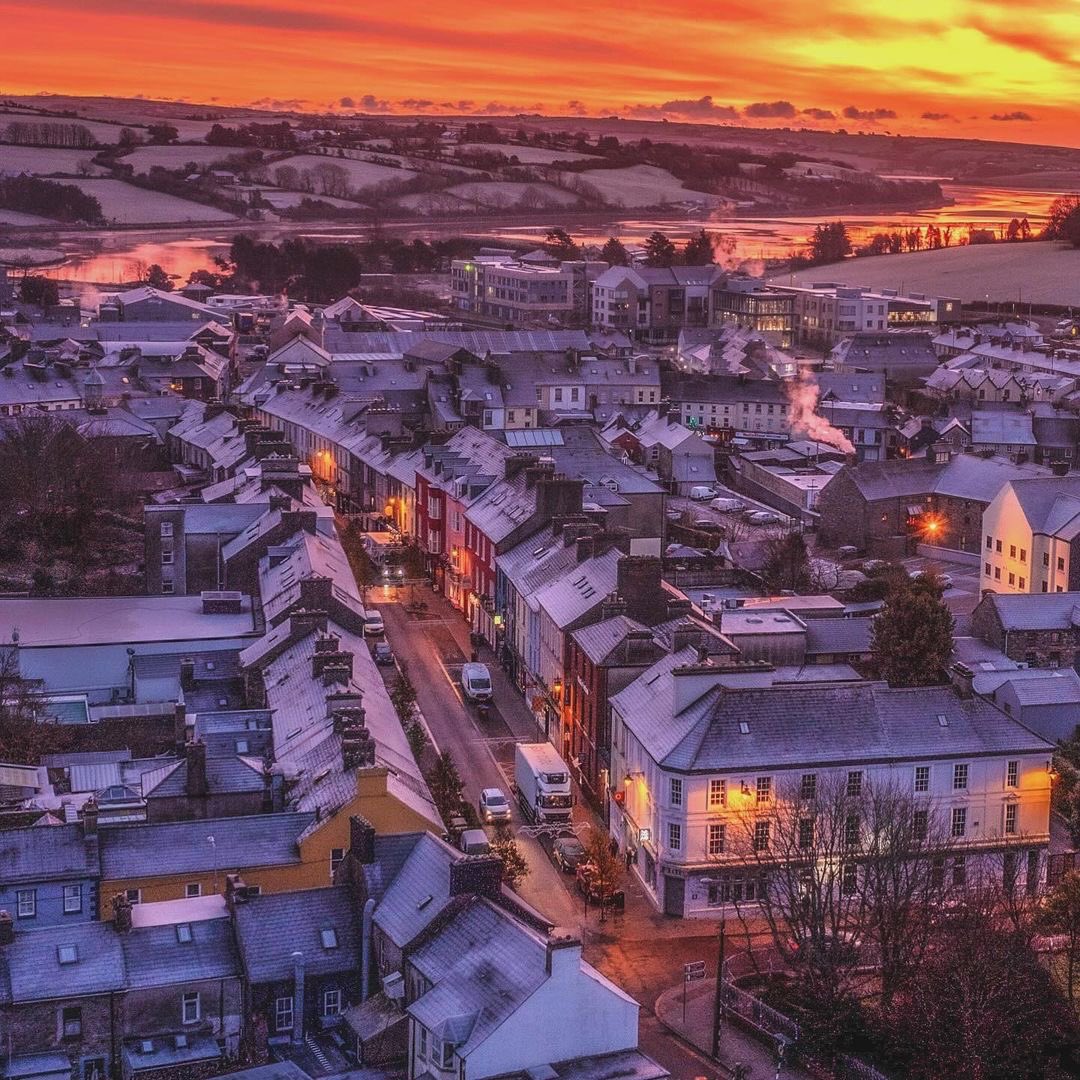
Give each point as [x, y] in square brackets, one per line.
[474, 842]
[763, 517]
[373, 623]
[493, 805]
[476, 682]
[383, 653]
[708, 525]
[702, 493]
[727, 505]
[568, 853]
[673, 515]
[945, 579]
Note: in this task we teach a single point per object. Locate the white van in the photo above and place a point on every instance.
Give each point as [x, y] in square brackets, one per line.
[474, 842]
[727, 505]
[701, 493]
[476, 682]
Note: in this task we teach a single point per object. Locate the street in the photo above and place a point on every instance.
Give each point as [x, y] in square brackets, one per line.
[640, 950]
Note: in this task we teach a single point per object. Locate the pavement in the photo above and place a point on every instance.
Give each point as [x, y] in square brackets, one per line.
[687, 1011]
[639, 949]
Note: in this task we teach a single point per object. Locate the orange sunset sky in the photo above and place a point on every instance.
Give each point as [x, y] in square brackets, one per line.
[989, 69]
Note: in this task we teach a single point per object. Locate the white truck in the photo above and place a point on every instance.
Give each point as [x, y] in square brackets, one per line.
[543, 783]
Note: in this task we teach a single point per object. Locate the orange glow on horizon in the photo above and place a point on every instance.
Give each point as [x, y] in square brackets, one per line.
[960, 68]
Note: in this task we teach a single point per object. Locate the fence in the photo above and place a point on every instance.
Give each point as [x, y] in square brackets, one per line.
[776, 1026]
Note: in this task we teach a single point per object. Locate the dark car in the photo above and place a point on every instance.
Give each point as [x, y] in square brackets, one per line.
[567, 852]
[383, 653]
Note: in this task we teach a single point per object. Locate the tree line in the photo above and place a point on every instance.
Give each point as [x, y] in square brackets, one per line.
[63, 202]
[39, 133]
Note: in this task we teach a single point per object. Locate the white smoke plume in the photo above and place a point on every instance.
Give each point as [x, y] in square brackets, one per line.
[803, 393]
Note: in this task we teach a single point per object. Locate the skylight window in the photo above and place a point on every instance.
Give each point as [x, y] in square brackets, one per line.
[67, 954]
[328, 938]
[744, 727]
[183, 932]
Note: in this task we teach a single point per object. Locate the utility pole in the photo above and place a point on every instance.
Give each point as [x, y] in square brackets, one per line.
[718, 1003]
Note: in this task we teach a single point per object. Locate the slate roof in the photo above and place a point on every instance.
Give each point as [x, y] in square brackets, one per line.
[998, 427]
[36, 974]
[391, 851]
[1058, 687]
[418, 892]
[1036, 611]
[155, 955]
[46, 853]
[837, 636]
[483, 965]
[600, 640]
[270, 928]
[175, 847]
[580, 589]
[842, 724]
[1049, 503]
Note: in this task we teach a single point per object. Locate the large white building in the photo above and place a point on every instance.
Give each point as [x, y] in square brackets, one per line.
[701, 754]
[1031, 537]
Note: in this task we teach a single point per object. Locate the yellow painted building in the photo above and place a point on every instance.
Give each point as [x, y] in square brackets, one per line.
[276, 852]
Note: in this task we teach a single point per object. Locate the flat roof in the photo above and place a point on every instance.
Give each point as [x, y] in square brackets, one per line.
[112, 620]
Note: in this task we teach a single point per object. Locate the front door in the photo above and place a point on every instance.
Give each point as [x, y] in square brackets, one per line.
[674, 895]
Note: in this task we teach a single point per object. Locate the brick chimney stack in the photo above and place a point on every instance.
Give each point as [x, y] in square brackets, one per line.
[361, 840]
[7, 929]
[477, 875]
[197, 785]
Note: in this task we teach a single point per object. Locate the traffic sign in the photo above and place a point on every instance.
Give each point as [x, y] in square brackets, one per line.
[694, 971]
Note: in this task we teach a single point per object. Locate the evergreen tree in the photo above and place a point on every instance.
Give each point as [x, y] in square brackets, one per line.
[830, 243]
[659, 250]
[912, 637]
[699, 250]
[614, 253]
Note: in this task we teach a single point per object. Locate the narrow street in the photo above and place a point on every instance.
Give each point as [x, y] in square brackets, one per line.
[641, 950]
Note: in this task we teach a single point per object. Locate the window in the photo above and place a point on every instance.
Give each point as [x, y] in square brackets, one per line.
[72, 899]
[986, 569]
[337, 856]
[854, 784]
[166, 558]
[1023, 555]
[675, 791]
[192, 889]
[960, 777]
[328, 937]
[331, 1002]
[808, 787]
[1023, 583]
[421, 1042]
[674, 836]
[71, 1022]
[166, 588]
[937, 873]
[851, 831]
[26, 903]
[1010, 818]
[1012, 579]
[764, 788]
[1061, 563]
[959, 820]
[1012, 551]
[989, 543]
[920, 824]
[959, 872]
[166, 529]
[717, 793]
[133, 896]
[716, 839]
[849, 880]
[922, 778]
[183, 933]
[283, 1014]
[806, 833]
[1012, 773]
[190, 1009]
[445, 1056]
[761, 836]
[997, 573]
[997, 546]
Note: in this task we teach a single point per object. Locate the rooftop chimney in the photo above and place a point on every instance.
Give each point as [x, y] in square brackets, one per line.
[563, 952]
[121, 906]
[181, 732]
[357, 749]
[963, 679]
[477, 875]
[197, 785]
[298, 998]
[90, 820]
[639, 585]
[7, 929]
[361, 840]
[187, 674]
